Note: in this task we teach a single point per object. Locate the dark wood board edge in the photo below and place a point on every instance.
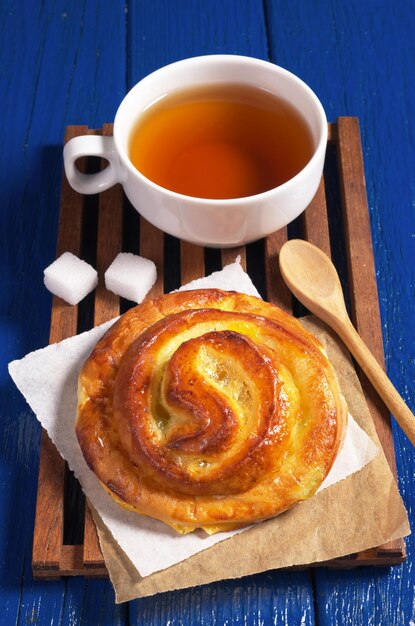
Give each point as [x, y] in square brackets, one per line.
[71, 564]
[362, 279]
[277, 291]
[361, 268]
[48, 530]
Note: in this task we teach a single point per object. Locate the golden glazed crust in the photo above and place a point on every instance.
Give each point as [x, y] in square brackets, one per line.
[209, 409]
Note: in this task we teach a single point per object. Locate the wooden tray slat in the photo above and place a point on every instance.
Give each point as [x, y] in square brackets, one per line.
[152, 247]
[192, 262]
[109, 244]
[106, 307]
[51, 558]
[48, 531]
[91, 553]
[363, 286]
[277, 291]
[316, 226]
[228, 255]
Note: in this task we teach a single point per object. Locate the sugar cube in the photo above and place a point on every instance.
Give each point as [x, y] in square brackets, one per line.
[70, 278]
[130, 276]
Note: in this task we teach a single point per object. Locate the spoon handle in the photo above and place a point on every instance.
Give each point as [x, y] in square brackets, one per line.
[378, 378]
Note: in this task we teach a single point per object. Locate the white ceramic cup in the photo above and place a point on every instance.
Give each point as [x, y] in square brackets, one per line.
[214, 223]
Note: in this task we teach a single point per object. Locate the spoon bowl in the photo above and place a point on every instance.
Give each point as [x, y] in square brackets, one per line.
[313, 279]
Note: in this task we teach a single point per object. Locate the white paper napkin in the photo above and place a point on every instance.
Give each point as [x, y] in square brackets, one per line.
[48, 380]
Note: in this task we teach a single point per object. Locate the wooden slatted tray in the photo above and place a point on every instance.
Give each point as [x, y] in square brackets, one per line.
[96, 228]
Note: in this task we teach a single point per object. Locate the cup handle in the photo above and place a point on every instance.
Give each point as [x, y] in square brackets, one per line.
[91, 145]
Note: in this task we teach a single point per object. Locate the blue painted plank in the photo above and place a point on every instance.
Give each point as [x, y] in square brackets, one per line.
[278, 598]
[359, 57]
[163, 31]
[61, 63]
[91, 602]
[19, 434]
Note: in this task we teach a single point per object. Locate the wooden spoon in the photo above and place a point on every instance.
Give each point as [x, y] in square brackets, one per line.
[313, 279]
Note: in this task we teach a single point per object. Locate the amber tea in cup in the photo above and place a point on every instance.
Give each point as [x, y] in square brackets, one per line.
[220, 141]
[218, 150]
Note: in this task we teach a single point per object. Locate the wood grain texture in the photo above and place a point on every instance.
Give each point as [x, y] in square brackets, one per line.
[277, 291]
[91, 551]
[152, 247]
[229, 255]
[192, 262]
[364, 295]
[316, 226]
[207, 27]
[316, 230]
[109, 244]
[48, 532]
[73, 68]
[280, 598]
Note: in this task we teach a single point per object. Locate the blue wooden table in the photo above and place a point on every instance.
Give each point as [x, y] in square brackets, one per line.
[66, 63]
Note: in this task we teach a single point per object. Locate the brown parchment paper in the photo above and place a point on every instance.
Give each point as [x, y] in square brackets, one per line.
[360, 512]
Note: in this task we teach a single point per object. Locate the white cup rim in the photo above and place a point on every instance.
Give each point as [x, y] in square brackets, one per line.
[226, 202]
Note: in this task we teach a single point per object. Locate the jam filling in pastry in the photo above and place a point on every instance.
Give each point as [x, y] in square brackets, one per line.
[209, 409]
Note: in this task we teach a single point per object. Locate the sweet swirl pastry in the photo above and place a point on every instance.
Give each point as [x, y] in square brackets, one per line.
[209, 409]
